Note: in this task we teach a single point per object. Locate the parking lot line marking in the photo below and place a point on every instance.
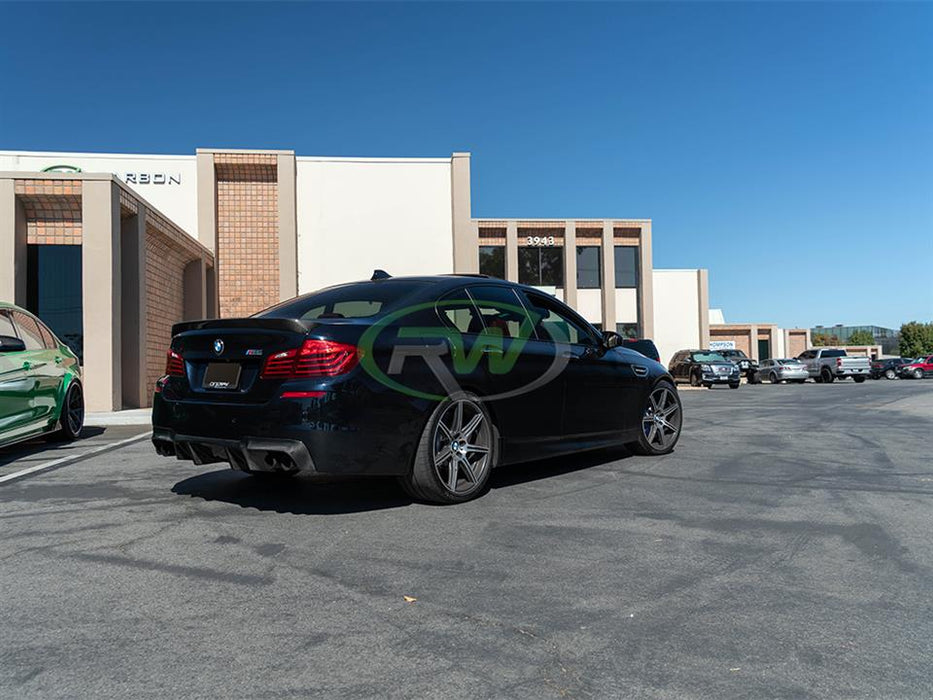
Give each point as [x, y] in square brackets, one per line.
[62, 461]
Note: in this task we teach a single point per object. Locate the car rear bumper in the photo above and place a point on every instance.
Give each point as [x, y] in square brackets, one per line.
[336, 434]
[853, 372]
[248, 454]
[794, 374]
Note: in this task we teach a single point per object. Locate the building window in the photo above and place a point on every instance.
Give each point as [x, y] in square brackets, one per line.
[53, 291]
[626, 261]
[492, 260]
[541, 266]
[627, 330]
[589, 262]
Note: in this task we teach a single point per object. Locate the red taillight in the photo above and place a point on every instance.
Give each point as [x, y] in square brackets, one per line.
[315, 358]
[303, 394]
[838, 362]
[174, 364]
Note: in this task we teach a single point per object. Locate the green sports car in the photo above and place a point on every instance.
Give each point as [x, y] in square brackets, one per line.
[40, 380]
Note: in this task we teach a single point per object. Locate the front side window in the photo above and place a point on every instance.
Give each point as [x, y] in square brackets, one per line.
[555, 324]
[589, 262]
[28, 331]
[541, 266]
[492, 260]
[626, 265]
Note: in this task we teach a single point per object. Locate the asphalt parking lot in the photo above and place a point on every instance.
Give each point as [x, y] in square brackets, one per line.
[783, 550]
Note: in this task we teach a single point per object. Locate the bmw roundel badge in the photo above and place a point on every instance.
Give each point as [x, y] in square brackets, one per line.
[218, 346]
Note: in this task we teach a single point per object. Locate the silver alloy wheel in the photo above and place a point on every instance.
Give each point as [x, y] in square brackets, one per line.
[75, 409]
[889, 374]
[461, 445]
[663, 419]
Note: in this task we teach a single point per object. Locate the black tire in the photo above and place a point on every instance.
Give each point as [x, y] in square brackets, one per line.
[890, 374]
[774, 379]
[826, 376]
[654, 438]
[695, 378]
[859, 380]
[71, 420]
[753, 378]
[444, 448]
[734, 385]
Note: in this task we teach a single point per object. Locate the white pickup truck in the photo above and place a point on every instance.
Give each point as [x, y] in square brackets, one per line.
[828, 364]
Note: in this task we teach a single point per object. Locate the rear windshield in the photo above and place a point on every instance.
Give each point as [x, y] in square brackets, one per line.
[732, 353]
[834, 353]
[362, 300]
[790, 362]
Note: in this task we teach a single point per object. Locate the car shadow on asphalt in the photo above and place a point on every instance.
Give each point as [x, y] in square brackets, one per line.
[11, 454]
[319, 495]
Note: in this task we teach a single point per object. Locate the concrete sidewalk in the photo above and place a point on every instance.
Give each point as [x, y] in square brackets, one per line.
[135, 416]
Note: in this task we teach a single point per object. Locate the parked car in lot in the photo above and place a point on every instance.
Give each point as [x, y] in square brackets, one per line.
[40, 380]
[918, 369]
[781, 370]
[435, 380]
[645, 346]
[746, 364]
[828, 364]
[888, 368]
[704, 368]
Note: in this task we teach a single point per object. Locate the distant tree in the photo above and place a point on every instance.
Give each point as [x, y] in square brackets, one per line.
[861, 337]
[916, 339]
[820, 340]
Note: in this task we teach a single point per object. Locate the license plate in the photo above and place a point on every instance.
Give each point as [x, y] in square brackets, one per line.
[221, 375]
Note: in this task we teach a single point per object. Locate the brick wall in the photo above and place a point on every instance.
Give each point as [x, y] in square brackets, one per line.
[247, 232]
[52, 209]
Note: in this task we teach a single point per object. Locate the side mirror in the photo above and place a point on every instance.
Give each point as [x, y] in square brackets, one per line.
[10, 344]
[611, 339]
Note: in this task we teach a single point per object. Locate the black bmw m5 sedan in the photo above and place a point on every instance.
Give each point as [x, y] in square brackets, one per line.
[436, 380]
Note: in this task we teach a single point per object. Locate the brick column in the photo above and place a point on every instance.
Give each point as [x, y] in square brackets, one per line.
[133, 341]
[101, 282]
[288, 226]
[646, 281]
[465, 233]
[608, 287]
[511, 251]
[12, 245]
[195, 290]
[570, 263]
[703, 304]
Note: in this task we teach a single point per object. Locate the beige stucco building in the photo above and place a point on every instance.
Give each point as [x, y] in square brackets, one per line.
[159, 239]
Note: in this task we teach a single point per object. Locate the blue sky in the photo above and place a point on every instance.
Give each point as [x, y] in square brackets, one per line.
[786, 147]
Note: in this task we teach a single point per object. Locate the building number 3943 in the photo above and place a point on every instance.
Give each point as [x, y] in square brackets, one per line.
[540, 240]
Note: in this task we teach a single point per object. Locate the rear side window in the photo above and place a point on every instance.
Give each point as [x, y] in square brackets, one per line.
[500, 308]
[48, 337]
[456, 310]
[361, 300]
[28, 331]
